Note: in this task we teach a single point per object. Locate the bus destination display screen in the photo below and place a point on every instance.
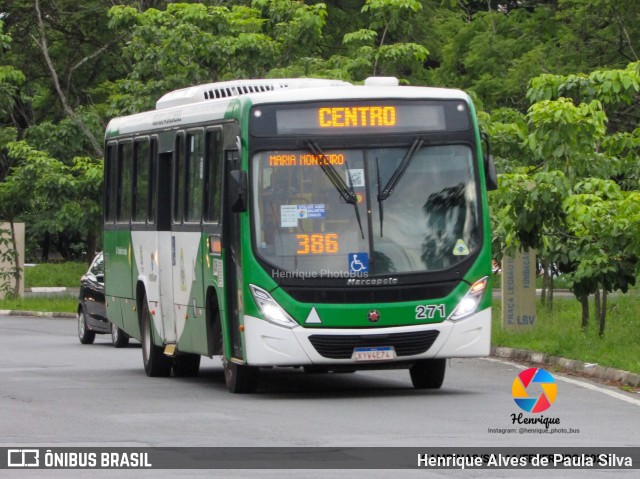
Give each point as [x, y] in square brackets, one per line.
[360, 117]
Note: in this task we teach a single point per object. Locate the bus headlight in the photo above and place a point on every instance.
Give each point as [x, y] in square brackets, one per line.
[270, 309]
[471, 300]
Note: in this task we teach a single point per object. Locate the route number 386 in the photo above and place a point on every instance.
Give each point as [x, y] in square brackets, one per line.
[317, 243]
[428, 311]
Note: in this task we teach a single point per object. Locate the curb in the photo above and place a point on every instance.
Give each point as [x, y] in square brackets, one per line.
[589, 370]
[39, 314]
[51, 291]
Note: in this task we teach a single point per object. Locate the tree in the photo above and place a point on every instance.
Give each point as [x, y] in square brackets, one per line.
[188, 44]
[605, 253]
[11, 79]
[66, 52]
[568, 136]
[80, 63]
[384, 46]
[499, 46]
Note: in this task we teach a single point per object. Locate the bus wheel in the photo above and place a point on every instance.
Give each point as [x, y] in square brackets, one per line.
[85, 336]
[240, 379]
[186, 365]
[428, 373]
[156, 364]
[119, 338]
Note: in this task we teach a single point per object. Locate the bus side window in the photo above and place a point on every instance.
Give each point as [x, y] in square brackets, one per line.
[124, 187]
[141, 180]
[110, 192]
[194, 176]
[213, 172]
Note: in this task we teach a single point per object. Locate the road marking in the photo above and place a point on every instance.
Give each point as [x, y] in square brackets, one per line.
[593, 387]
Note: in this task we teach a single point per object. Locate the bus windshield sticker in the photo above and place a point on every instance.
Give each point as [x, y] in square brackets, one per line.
[311, 211]
[288, 216]
[357, 177]
[460, 249]
[358, 263]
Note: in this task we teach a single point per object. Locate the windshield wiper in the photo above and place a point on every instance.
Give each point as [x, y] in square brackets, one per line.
[380, 200]
[396, 177]
[400, 171]
[346, 191]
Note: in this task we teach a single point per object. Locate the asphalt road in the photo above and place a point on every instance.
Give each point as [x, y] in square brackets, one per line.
[55, 392]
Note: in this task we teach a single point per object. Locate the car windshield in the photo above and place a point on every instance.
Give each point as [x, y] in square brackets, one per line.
[417, 204]
[97, 266]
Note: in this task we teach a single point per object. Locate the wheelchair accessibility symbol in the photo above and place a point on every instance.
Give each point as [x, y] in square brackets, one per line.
[358, 263]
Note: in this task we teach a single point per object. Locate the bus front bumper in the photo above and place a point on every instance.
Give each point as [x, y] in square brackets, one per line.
[270, 345]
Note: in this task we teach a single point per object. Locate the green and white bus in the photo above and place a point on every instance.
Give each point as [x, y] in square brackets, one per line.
[300, 223]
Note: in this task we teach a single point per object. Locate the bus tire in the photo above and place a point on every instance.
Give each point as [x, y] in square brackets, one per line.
[156, 364]
[186, 365]
[428, 373]
[119, 338]
[84, 334]
[239, 378]
[216, 328]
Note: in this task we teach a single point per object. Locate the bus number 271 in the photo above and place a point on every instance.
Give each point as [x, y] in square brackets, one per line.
[428, 311]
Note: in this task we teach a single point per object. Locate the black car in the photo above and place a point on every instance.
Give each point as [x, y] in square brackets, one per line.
[92, 311]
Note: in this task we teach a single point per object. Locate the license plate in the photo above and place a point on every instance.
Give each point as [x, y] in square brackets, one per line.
[382, 353]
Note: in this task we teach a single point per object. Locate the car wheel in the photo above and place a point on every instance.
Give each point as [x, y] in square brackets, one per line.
[428, 374]
[186, 365]
[156, 364]
[84, 334]
[119, 338]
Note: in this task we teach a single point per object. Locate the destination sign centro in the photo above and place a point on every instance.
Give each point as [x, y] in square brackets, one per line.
[328, 118]
[356, 116]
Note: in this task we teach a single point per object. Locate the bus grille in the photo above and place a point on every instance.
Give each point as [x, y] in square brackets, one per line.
[341, 346]
[326, 295]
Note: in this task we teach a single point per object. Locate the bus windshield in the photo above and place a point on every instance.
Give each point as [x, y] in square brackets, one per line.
[418, 207]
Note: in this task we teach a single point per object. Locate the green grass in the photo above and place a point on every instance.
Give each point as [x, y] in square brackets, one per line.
[51, 304]
[559, 333]
[559, 282]
[54, 274]
[48, 275]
